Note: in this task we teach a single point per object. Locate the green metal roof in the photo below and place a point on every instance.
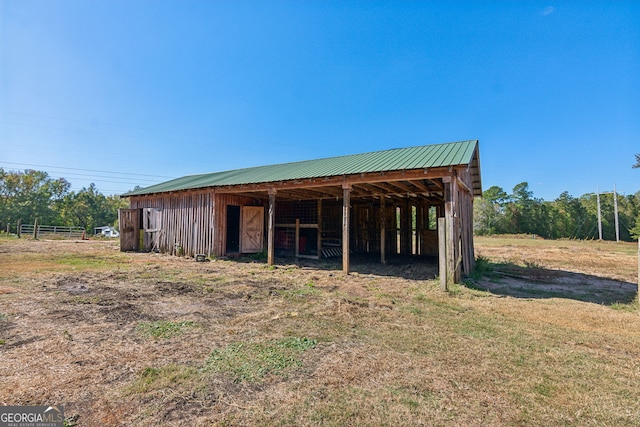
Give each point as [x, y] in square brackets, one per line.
[425, 156]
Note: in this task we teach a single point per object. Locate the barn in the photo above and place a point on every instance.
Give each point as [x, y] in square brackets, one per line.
[414, 201]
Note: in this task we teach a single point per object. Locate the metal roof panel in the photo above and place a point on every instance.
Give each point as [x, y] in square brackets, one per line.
[425, 156]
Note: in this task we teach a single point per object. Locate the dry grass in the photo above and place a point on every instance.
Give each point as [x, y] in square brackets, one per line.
[305, 345]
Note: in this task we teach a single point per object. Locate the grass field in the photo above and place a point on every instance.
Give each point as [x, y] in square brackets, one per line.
[148, 339]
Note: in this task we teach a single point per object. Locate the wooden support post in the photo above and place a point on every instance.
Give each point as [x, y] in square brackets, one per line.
[442, 252]
[454, 230]
[271, 226]
[18, 231]
[599, 214]
[615, 213]
[297, 240]
[418, 230]
[35, 229]
[405, 228]
[383, 229]
[319, 229]
[346, 209]
[450, 214]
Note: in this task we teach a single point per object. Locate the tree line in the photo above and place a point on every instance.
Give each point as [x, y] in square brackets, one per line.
[30, 194]
[565, 217]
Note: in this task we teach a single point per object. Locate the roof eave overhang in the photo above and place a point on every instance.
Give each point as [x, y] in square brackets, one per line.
[329, 186]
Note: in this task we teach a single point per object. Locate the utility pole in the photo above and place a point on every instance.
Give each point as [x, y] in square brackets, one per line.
[615, 210]
[599, 215]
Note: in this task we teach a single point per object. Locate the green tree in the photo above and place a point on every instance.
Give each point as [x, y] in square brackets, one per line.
[568, 218]
[519, 212]
[489, 212]
[28, 195]
[89, 208]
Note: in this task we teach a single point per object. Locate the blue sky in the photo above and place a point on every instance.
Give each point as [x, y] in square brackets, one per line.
[125, 93]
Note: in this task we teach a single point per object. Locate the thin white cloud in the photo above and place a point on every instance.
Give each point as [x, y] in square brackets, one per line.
[548, 10]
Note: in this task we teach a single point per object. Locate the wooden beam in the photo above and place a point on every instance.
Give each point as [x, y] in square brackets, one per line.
[422, 186]
[394, 188]
[438, 184]
[346, 209]
[403, 186]
[366, 178]
[367, 189]
[378, 188]
[360, 191]
[464, 186]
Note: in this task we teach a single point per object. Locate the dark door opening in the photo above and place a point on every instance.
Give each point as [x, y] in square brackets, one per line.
[233, 229]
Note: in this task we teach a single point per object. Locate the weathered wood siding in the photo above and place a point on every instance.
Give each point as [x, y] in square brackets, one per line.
[192, 222]
[186, 221]
[465, 200]
[459, 211]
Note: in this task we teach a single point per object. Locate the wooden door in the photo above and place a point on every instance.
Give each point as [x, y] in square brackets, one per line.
[152, 225]
[129, 220]
[252, 229]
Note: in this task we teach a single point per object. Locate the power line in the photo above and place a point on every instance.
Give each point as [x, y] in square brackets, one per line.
[93, 122]
[100, 176]
[108, 129]
[129, 181]
[87, 170]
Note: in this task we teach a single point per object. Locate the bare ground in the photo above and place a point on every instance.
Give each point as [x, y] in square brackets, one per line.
[391, 348]
[599, 272]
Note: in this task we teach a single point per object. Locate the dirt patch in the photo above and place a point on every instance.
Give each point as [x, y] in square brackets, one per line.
[561, 285]
[601, 272]
[7, 290]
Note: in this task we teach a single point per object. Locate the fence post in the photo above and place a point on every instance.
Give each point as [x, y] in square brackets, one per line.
[18, 231]
[35, 229]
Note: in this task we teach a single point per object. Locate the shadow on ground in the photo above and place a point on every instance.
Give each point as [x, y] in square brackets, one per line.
[406, 267]
[500, 279]
[536, 282]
